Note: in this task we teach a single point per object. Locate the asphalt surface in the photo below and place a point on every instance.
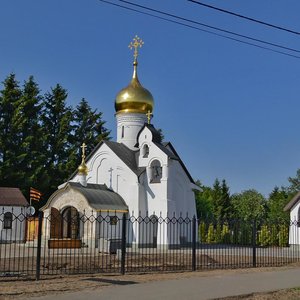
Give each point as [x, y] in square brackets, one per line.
[198, 287]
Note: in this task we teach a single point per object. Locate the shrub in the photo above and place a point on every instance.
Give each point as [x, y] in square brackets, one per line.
[264, 238]
[211, 234]
[225, 234]
[283, 235]
[202, 232]
[218, 234]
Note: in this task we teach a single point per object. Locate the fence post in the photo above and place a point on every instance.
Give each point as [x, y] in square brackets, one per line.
[254, 243]
[39, 245]
[194, 244]
[123, 246]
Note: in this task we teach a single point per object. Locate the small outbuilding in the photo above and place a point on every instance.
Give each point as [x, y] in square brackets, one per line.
[13, 206]
[294, 208]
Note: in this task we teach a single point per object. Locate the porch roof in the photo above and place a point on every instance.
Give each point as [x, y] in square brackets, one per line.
[100, 197]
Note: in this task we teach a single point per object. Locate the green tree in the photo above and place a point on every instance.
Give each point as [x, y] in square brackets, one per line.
[221, 200]
[10, 137]
[57, 118]
[294, 183]
[278, 198]
[249, 205]
[204, 203]
[88, 126]
[30, 152]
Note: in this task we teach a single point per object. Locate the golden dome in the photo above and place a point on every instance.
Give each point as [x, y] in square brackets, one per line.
[134, 98]
[83, 169]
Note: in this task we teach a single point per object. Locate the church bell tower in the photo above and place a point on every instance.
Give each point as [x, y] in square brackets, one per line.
[134, 105]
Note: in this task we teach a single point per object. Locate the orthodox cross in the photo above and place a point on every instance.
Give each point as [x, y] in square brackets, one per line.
[136, 43]
[149, 115]
[83, 147]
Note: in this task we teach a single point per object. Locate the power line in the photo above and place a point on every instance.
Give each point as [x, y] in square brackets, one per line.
[209, 26]
[244, 17]
[199, 29]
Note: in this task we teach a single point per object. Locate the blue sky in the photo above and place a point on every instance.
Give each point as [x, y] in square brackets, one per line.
[230, 110]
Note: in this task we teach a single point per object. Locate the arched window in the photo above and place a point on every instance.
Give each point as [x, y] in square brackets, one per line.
[145, 151]
[156, 172]
[70, 220]
[7, 222]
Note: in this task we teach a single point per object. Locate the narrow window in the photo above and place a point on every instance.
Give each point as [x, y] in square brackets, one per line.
[156, 172]
[145, 151]
[298, 220]
[7, 224]
[122, 131]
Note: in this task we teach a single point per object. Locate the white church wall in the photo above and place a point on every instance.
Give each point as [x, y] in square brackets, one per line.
[294, 231]
[107, 168]
[128, 127]
[18, 226]
[181, 202]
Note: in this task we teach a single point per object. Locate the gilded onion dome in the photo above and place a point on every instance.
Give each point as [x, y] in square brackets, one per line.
[83, 169]
[134, 98]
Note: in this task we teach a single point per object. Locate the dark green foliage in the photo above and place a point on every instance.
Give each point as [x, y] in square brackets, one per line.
[40, 135]
[276, 203]
[88, 127]
[56, 119]
[204, 203]
[221, 200]
[294, 185]
[10, 137]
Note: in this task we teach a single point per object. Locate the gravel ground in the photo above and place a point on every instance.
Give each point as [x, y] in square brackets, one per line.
[11, 289]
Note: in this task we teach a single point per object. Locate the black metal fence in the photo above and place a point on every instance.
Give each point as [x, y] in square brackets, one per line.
[73, 243]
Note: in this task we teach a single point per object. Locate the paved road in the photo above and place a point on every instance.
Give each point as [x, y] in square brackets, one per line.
[210, 287]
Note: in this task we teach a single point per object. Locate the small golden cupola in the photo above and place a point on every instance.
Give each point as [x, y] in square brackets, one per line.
[83, 169]
[134, 98]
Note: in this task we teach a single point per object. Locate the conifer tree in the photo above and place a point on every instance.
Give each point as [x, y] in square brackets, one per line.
[31, 154]
[88, 127]
[57, 118]
[10, 174]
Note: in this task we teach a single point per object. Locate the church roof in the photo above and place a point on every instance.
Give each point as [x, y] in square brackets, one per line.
[168, 144]
[293, 201]
[99, 196]
[12, 197]
[126, 155]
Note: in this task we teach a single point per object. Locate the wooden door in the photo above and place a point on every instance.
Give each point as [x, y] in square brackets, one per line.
[32, 228]
[55, 224]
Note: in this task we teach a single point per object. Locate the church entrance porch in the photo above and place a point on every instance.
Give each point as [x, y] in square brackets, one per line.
[64, 229]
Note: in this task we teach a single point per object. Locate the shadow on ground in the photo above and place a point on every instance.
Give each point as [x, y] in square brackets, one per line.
[110, 281]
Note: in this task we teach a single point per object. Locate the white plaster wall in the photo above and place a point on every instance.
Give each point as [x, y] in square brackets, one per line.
[17, 232]
[294, 231]
[106, 167]
[132, 122]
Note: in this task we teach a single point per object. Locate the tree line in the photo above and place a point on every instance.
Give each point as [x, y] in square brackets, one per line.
[216, 202]
[41, 135]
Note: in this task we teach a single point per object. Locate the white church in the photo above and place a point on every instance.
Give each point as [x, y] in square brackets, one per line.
[138, 174]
